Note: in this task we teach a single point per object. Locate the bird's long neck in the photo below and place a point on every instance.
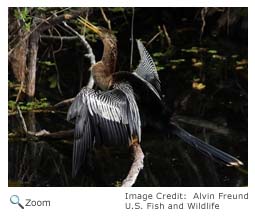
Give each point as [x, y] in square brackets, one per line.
[109, 57]
[103, 70]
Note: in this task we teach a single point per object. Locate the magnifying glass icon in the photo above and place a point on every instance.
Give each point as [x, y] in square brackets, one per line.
[14, 199]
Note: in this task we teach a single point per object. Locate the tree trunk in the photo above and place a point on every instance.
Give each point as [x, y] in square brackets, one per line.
[18, 57]
[18, 61]
[31, 73]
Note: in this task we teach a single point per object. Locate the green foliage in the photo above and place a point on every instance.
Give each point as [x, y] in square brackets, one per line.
[28, 106]
[91, 37]
[234, 56]
[53, 81]
[23, 14]
[218, 57]
[10, 84]
[117, 9]
[190, 50]
[177, 61]
[46, 63]
[46, 66]
[158, 54]
[158, 66]
[212, 51]
[118, 183]
[11, 104]
[156, 57]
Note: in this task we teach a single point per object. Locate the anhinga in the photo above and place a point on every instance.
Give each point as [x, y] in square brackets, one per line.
[112, 114]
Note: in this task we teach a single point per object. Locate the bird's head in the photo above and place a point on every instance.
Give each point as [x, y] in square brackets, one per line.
[102, 32]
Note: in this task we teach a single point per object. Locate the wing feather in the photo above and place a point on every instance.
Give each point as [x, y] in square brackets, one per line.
[146, 68]
[109, 118]
[82, 132]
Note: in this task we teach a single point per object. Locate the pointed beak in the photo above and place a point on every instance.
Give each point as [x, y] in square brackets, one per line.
[89, 25]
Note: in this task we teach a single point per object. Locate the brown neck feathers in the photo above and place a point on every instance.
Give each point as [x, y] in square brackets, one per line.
[109, 57]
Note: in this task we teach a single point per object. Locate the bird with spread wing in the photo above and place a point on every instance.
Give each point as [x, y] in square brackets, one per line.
[113, 112]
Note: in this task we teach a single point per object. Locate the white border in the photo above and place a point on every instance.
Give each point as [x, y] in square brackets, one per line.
[130, 3]
[107, 203]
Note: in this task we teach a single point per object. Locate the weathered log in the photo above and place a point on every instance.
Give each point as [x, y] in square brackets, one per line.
[136, 166]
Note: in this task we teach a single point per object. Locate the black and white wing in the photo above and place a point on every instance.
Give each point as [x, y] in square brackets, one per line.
[83, 133]
[146, 68]
[109, 118]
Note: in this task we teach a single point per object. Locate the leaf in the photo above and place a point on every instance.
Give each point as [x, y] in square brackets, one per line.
[53, 81]
[218, 57]
[239, 68]
[177, 61]
[242, 62]
[53, 84]
[43, 99]
[173, 67]
[191, 50]
[212, 51]
[198, 86]
[234, 56]
[158, 54]
[46, 63]
[198, 64]
[11, 104]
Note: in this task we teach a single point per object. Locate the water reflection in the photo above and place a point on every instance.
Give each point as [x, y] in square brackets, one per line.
[168, 162]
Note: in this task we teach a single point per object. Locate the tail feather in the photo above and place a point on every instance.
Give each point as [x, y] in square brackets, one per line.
[219, 155]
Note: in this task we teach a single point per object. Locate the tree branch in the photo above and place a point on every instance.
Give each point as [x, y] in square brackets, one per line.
[53, 20]
[63, 103]
[136, 166]
[54, 135]
[52, 37]
[168, 39]
[108, 21]
[42, 25]
[43, 133]
[132, 39]
[22, 120]
[90, 53]
[154, 37]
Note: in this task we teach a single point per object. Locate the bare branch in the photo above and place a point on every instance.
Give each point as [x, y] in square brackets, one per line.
[64, 103]
[20, 91]
[90, 53]
[136, 166]
[53, 20]
[132, 39]
[106, 19]
[22, 120]
[154, 37]
[54, 135]
[67, 38]
[44, 134]
[167, 36]
[203, 14]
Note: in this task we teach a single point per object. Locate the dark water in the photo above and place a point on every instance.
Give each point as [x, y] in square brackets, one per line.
[168, 162]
